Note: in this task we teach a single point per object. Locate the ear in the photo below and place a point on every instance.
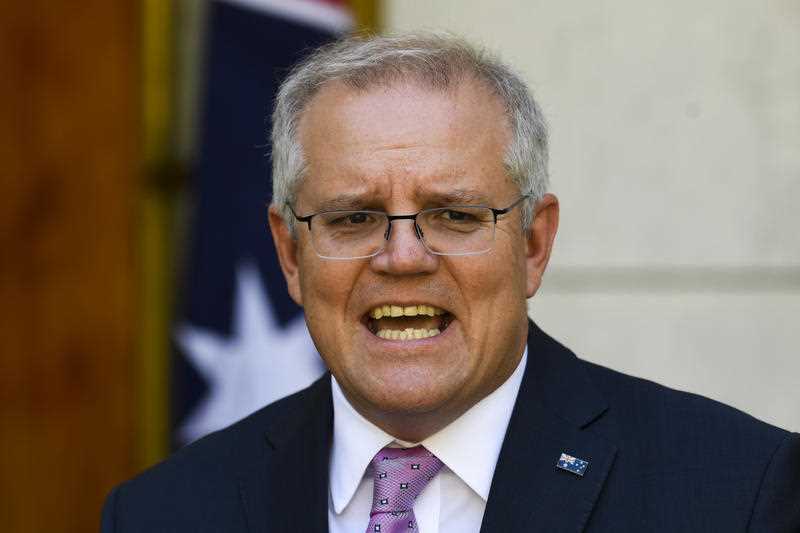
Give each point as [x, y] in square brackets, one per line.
[287, 249]
[539, 241]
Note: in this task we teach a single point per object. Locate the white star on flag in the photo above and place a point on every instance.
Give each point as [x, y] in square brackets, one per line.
[260, 363]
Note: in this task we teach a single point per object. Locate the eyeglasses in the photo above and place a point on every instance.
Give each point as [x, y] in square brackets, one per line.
[452, 230]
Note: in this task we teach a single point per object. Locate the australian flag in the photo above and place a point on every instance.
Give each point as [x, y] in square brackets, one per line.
[241, 342]
[572, 464]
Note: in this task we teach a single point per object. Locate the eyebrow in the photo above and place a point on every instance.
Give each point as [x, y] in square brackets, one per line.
[344, 201]
[460, 196]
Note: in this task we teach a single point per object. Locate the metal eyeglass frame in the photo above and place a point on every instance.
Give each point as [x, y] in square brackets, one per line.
[420, 235]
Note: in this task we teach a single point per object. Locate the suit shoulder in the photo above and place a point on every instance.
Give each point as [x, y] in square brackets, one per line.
[671, 414]
[704, 454]
[226, 445]
[204, 471]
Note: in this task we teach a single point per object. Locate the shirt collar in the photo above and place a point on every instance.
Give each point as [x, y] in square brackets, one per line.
[469, 446]
[356, 440]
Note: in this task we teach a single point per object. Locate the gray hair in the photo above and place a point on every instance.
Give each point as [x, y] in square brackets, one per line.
[439, 60]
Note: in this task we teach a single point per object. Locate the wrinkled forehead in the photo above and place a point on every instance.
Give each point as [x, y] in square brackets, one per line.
[423, 141]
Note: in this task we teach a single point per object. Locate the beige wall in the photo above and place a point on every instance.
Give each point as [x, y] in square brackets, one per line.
[676, 155]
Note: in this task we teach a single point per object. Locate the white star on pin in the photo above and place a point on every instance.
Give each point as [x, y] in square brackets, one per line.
[260, 363]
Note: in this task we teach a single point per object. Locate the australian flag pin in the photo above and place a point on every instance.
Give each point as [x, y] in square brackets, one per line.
[572, 464]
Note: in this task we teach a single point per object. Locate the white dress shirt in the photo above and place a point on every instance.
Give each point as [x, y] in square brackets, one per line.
[456, 498]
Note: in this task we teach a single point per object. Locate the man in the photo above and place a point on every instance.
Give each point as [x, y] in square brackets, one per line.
[412, 223]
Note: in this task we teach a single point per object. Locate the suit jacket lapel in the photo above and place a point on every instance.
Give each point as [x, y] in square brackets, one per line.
[286, 487]
[555, 406]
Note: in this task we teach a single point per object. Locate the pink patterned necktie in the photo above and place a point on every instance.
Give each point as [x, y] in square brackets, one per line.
[400, 476]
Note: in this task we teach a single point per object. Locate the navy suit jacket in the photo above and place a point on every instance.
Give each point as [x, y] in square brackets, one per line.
[659, 461]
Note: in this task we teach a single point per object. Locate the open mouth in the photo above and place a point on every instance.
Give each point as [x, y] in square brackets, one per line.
[407, 322]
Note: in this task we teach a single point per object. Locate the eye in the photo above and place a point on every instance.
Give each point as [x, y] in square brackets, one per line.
[357, 218]
[458, 216]
[349, 219]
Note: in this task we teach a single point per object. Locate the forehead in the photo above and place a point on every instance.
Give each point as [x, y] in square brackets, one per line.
[379, 140]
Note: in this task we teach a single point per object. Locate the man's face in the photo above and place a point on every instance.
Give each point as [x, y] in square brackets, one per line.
[401, 149]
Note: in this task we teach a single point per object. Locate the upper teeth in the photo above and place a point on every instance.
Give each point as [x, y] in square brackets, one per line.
[407, 310]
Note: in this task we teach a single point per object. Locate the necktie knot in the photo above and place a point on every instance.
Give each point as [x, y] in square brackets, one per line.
[400, 475]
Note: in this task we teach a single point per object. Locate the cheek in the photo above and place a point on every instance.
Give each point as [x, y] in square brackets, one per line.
[326, 288]
[516, 268]
[497, 290]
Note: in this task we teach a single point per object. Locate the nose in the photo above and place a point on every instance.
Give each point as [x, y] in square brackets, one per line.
[405, 253]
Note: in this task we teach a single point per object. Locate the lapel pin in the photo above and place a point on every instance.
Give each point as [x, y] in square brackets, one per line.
[572, 464]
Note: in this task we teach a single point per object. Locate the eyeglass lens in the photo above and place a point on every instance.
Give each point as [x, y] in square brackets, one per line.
[445, 231]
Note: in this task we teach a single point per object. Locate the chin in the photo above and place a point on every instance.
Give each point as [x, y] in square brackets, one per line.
[415, 390]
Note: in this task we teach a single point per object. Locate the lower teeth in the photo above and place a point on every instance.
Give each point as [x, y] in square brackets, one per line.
[407, 334]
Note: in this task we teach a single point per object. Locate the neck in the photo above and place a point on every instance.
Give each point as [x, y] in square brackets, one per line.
[412, 427]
